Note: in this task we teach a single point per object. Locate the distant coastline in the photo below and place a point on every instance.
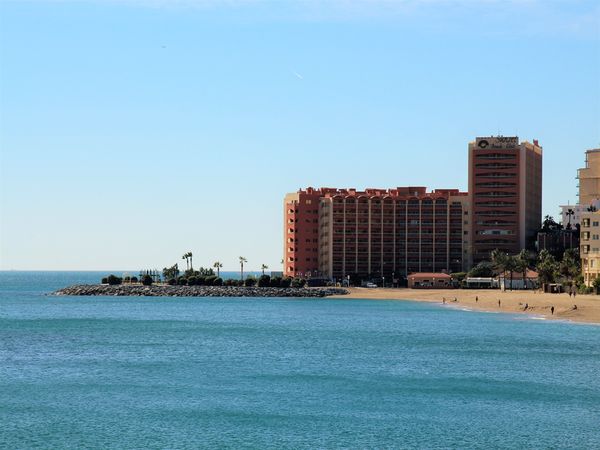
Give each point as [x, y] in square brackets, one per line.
[155, 290]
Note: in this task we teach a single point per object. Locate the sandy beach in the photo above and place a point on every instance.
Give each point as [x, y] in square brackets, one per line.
[539, 304]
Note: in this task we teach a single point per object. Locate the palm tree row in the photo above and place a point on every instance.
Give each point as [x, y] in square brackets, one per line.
[218, 265]
[188, 260]
[507, 263]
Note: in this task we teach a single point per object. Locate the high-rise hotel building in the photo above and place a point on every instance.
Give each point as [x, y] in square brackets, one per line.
[589, 194]
[505, 195]
[376, 232]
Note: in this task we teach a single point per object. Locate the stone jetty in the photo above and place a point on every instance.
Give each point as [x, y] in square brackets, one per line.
[136, 290]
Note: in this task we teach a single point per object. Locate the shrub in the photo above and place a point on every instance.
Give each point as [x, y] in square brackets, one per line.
[127, 279]
[250, 281]
[134, 279]
[298, 282]
[210, 280]
[275, 281]
[192, 281]
[264, 281]
[114, 280]
[147, 280]
[181, 281]
[104, 280]
[171, 281]
[458, 276]
[286, 282]
[218, 282]
[596, 283]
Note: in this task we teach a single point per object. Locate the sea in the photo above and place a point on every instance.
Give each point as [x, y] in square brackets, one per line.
[275, 373]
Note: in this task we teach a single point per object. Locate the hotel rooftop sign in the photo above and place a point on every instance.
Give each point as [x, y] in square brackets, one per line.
[497, 142]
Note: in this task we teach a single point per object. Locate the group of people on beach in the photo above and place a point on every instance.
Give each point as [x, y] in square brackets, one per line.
[525, 307]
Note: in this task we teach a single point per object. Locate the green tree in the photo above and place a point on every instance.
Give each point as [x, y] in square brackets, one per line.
[504, 262]
[146, 280]
[570, 266]
[546, 267]
[596, 284]
[217, 265]
[113, 280]
[171, 273]
[264, 267]
[264, 281]
[242, 261]
[484, 269]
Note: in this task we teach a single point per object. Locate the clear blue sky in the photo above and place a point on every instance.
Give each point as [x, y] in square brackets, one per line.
[133, 131]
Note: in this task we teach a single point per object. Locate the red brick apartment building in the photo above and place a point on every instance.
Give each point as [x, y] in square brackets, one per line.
[376, 232]
[505, 195]
[394, 232]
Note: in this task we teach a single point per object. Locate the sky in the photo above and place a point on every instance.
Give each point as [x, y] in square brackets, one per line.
[133, 131]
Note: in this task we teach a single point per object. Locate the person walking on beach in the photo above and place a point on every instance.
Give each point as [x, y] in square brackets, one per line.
[552, 310]
[444, 300]
[526, 306]
[498, 303]
[476, 299]
[574, 291]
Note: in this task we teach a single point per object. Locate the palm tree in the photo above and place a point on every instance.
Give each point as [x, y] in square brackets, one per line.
[569, 213]
[263, 267]
[191, 264]
[522, 264]
[504, 263]
[217, 265]
[187, 264]
[242, 261]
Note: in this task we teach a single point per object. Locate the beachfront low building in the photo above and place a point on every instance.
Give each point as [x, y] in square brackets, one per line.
[429, 281]
[507, 281]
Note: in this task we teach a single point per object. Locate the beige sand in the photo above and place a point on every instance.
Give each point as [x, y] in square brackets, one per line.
[588, 306]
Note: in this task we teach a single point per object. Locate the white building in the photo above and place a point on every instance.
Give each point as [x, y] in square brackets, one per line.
[575, 213]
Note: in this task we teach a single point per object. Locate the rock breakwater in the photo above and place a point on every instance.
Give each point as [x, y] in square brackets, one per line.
[133, 290]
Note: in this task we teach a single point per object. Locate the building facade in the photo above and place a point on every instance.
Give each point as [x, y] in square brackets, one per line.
[336, 233]
[505, 195]
[589, 178]
[589, 193]
[589, 249]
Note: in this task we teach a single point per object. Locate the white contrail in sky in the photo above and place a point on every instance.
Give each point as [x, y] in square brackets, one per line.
[298, 75]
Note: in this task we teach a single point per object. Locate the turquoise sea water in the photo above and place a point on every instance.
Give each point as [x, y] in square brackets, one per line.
[119, 372]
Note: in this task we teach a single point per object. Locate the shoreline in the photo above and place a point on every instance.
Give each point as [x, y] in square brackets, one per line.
[486, 300]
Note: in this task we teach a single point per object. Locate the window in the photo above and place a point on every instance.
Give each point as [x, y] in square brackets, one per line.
[595, 237]
[595, 223]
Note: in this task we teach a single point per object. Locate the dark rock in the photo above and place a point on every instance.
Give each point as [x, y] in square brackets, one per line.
[196, 291]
